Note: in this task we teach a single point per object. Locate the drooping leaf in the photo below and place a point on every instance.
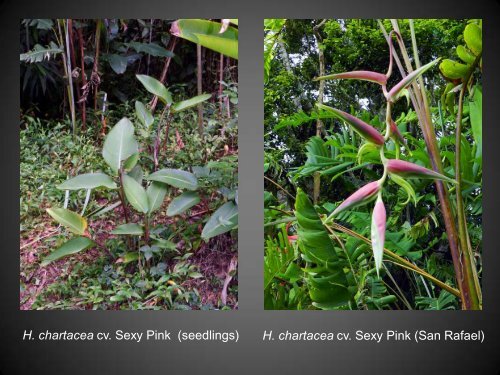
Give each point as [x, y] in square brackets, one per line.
[222, 220]
[71, 220]
[135, 193]
[88, 181]
[176, 178]
[156, 194]
[73, 246]
[152, 49]
[328, 289]
[143, 114]
[185, 104]
[155, 87]
[207, 34]
[182, 203]
[118, 63]
[129, 228]
[120, 144]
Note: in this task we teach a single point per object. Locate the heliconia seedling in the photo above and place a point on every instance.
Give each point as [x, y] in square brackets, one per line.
[411, 170]
[378, 232]
[394, 94]
[362, 128]
[361, 196]
[363, 75]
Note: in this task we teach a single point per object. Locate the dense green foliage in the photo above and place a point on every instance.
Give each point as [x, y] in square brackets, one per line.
[301, 275]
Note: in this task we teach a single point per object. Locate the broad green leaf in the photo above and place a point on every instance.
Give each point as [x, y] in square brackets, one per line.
[207, 34]
[329, 288]
[143, 114]
[182, 203]
[71, 220]
[152, 49]
[118, 63]
[156, 194]
[474, 38]
[88, 181]
[155, 87]
[222, 220]
[130, 228]
[176, 178]
[131, 162]
[218, 43]
[185, 104]
[453, 70]
[120, 144]
[73, 246]
[135, 193]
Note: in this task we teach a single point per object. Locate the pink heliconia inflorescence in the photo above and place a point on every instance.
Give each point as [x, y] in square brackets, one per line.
[364, 75]
[396, 133]
[411, 170]
[362, 128]
[361, 196]
[378, 232]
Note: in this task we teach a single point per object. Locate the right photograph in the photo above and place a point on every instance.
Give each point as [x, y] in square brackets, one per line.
[373, 164]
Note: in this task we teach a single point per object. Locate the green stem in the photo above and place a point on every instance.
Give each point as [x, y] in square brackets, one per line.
[470, 276]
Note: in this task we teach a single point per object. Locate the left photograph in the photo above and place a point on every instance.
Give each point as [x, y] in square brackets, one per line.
[128, 164]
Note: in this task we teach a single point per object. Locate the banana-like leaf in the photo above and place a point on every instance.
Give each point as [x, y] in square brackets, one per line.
[156, 194]
[143, 114]
[182, 203]
[73, 246]
[88, 181]
[129, 228]
[176, 178]
[120, 144]
[222, 220]
[71, 220]
[328, 288]
[185, 104]
[207, 34]
[136, 195]
[155, 87]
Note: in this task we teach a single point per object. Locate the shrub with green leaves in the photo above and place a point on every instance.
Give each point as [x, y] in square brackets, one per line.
[140, 192]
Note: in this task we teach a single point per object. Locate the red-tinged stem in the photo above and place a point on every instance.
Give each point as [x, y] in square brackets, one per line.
[84, 77]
